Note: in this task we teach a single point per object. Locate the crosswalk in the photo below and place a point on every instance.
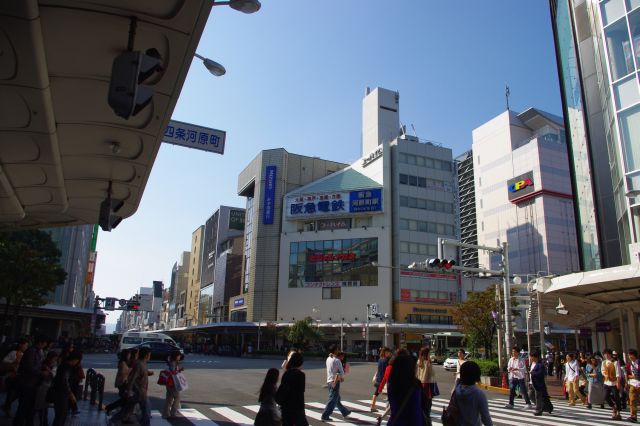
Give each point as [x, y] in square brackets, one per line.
[563, 415]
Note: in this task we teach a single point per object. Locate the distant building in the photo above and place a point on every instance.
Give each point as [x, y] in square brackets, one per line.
[181, 286]
[222, 263]
[467, 208]
[195, 275]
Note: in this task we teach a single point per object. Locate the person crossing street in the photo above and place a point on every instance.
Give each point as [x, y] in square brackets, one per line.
[335, 375]
[517, 371]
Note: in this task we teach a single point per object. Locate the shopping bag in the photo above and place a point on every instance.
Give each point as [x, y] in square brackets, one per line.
[165, 378]
[180, 382]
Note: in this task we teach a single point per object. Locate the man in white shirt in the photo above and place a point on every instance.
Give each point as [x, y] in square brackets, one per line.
[335, 375]
[572, 374]
[517, 371]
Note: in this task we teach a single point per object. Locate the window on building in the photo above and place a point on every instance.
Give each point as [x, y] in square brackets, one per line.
[404, 179]
[413, 180]
[331, 292]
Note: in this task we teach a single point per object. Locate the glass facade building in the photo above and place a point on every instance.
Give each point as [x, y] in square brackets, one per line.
[597, 46]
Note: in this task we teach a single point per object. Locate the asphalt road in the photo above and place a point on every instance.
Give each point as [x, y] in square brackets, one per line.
[225, 381]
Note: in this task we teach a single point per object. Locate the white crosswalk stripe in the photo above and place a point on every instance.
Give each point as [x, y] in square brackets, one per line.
[563, 414]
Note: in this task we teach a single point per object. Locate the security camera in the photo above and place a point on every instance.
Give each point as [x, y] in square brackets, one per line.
[560, 309]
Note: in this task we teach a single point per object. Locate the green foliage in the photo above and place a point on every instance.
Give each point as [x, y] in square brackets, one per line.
[302, 334]
[474, 318]
[29, 268]
[488, 367]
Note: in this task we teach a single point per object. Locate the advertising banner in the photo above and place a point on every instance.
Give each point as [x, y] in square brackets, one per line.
[520, 186]
[335, 203]
[269, 195]
[236, 220]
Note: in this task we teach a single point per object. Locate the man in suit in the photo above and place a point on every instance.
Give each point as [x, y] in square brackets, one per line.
[543, 403]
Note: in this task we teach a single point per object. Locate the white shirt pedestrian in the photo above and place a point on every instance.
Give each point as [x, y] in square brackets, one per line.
[516, 368]
[572, 370]
[334, 366]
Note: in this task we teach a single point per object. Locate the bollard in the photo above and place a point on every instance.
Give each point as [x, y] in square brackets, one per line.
[100, 388]
[87, 381]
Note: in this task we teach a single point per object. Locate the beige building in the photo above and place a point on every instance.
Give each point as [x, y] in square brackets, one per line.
[182, 284]
[273, 173]
[194, 271]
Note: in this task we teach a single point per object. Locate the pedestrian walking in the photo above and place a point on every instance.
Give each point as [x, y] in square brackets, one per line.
[335, 376]
[572, 377]
[62, 391]
[121, 381]
[383, 361]
[557, 363]
[610, 374]
[633, 378]
[384, 381]
[517, 370]
[595, 387]
[290, 393]
[543, 403]
[27, 378]
[46, 380]
[427, 377]
[459, 362]
[172, 398]
[77, 376]
[405, 393]
[10, 365]
[286, 360]
[471, 401]
[138, 385]
[269, 413]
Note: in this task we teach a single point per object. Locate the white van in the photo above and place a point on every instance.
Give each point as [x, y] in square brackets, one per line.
[134, 338]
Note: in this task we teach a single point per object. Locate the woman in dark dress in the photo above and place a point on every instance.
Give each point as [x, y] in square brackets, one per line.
[269, 413]
[405, 393]
[62, 388]
[290, 394]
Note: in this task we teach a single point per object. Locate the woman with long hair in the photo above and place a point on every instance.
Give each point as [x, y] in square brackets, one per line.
[269, 413]
[427, 377]
[405, 393]
[290, 393]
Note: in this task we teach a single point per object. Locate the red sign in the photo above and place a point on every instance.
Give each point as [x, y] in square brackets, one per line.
[330, 257]
[420, 274]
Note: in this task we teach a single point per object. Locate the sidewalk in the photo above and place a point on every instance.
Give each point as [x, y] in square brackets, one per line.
[554, 387]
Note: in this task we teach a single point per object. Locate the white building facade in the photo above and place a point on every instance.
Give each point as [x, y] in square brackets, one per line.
[523, 193]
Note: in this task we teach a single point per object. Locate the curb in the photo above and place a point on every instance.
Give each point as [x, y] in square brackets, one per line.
[493, 388]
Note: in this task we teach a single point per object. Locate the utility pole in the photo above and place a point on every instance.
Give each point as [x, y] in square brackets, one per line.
[366, 332]
[508, 339]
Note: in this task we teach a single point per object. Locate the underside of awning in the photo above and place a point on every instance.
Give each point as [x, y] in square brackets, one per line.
[60, 142]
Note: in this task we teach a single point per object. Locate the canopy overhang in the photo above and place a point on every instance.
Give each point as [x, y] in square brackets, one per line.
[60, 143]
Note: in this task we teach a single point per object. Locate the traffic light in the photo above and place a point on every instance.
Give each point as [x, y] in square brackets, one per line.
[107, 219]
[441, 263]
[127, 95]
[110, 304]
[133, 305]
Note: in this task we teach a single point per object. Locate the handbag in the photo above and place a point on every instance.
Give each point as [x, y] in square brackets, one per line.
[165, 378]
[180, 382]
[451, 414]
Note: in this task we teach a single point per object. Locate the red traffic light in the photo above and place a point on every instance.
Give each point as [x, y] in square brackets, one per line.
[441, 263]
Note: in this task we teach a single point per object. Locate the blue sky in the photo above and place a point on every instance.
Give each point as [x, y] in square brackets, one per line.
[296, 75]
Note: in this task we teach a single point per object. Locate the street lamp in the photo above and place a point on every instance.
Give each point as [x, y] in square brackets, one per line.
[213, 67]
[244, 6]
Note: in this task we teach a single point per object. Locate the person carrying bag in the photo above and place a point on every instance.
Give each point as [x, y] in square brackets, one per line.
[173, 384]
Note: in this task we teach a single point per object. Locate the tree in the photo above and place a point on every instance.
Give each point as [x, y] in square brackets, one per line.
[475, 320]
[29, 269]
[301, 333]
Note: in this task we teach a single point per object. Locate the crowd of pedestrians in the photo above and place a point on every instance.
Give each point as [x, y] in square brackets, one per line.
[38, 377]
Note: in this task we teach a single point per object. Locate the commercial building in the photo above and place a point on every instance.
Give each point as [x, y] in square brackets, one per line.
[195, 273]
[181, 286]
[523, 193]
[597, 48]
[264, 182]
[348, 238]
[467, 208]
[221, 264]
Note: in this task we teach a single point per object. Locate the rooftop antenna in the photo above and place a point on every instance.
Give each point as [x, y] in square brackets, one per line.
[414, 130]
[506, 94]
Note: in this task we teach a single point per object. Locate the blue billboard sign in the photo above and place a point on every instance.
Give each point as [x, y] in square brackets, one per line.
[269, 195]
[369, 200]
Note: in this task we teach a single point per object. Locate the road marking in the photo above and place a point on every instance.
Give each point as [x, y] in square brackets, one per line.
[157, 420]
[356, 416]
[318, 416]
[196, 417]
[234, 416]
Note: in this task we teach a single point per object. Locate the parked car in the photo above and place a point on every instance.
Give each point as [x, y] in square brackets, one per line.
[451, 363]
[160, 350]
